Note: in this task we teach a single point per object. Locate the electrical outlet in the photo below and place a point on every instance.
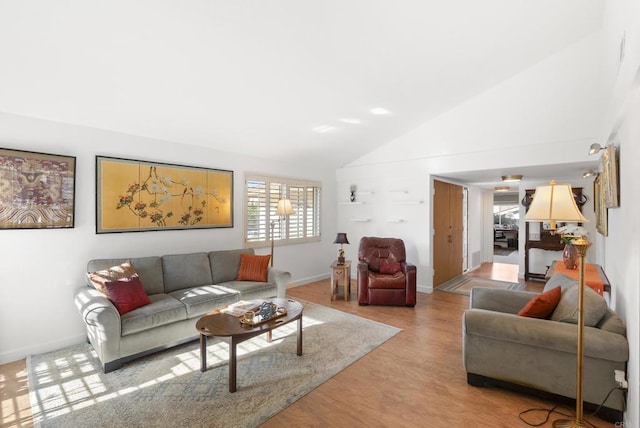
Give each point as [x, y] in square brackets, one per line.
[619, 376]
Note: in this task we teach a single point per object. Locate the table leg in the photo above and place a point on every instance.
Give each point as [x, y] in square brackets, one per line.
[333, 287]
[347, 288]
[203, 353]
[299, 336]
[232, 366]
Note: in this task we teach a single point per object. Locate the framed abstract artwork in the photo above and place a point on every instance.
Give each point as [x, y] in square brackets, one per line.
[37, 190]
[610, 176]
[136, 196]
[599, 205]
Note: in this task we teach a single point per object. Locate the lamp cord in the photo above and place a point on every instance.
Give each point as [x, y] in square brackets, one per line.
[549, 412]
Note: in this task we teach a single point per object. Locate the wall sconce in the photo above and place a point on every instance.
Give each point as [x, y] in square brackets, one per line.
[511, 178]
[341, 238]
[501, 188]
[591, 173]
[595, 148]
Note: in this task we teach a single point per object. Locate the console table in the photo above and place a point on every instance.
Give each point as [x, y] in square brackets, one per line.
[594, 275]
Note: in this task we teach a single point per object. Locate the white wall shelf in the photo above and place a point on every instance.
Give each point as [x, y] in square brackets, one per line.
[409, 202]
[361, 220]
[365, 192]
[397, 220]
[352, 203]
[405, 191]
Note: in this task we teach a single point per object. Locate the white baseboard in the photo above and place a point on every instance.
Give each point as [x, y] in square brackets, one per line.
[39, 348]
[308, 280]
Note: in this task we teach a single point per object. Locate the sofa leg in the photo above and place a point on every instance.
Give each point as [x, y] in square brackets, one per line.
[111, 366]
[475, 380]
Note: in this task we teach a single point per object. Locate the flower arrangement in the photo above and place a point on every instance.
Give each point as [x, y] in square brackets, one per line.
[570, 232]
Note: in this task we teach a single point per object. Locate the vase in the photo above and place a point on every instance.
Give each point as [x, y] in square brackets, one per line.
[570, 256]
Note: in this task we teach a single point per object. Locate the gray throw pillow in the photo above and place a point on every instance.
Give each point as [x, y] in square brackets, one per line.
[595, 307]
[559, 280]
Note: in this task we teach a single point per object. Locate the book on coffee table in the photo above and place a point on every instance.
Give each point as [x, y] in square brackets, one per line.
[238, 309]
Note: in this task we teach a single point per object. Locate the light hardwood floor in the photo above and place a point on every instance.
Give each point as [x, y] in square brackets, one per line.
[414, 379]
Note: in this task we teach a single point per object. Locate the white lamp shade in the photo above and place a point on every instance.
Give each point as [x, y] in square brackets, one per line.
[284, 207]
[554, 202]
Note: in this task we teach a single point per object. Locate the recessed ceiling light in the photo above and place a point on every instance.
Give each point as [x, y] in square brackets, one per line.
[511, 178]
[323, 129]
[501, 188]
[351, 121]
[379, 111]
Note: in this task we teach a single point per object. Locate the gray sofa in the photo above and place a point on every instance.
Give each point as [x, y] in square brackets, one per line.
[181, 288]
[531, 354]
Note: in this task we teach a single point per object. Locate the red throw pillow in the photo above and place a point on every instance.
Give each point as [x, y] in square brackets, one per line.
[390, 267]
[253, 268]
[127, 294]
[542, 305]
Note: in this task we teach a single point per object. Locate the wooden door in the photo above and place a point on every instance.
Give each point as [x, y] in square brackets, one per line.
[448, 231]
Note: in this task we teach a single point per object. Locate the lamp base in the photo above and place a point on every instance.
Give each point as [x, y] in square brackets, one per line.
[569, 423]
[340, 260]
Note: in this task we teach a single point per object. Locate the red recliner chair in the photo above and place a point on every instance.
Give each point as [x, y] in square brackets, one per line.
[384, 276]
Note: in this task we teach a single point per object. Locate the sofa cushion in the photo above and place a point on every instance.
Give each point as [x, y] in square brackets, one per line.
[595, 307]
[225, 264]
[252, 290]
[253, 268]
[162, 310]
[113, 273]
[542, 305]
[200, 300]
[185, 271]
[127, 294]
[149, 269]
[559, 280]
[397, 280]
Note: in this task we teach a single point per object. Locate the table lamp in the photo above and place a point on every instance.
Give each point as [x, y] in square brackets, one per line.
[552, 203]
[341, 238]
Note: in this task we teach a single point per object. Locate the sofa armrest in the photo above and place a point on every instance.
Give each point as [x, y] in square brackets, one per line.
[102, 322]
[542, 333]
[492, 299]
[281, 279]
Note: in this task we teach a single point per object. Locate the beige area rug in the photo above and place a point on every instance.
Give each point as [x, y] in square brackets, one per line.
[463, 285]
[167, 389]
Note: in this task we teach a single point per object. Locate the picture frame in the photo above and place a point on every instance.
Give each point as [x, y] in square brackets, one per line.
[599, 205]
[37, 190]
[137, 195]
[610, 174]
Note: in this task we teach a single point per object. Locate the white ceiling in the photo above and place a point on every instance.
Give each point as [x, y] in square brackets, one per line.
[293, 80]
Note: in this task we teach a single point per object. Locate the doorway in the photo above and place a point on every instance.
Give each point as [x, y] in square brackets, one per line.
[448, 231]
[506, 218]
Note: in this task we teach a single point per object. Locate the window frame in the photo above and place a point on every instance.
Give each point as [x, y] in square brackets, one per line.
[300, 227]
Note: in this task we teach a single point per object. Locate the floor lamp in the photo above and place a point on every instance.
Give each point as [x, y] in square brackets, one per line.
[553, 203]
[283, 209]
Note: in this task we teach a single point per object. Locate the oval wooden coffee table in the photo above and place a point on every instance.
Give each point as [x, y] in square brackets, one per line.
[228, 328]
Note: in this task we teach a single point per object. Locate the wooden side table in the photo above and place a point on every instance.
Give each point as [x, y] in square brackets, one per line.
[341, 273]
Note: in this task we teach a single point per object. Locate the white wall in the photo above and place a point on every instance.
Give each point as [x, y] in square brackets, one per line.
[40, 269]
[621, 249]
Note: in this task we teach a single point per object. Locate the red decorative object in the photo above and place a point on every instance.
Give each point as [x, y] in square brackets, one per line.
[570, 256]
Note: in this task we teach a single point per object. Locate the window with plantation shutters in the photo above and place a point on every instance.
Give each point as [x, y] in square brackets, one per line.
[262, 196]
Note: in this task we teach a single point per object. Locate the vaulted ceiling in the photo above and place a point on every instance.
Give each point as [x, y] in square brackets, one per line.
[285, 79]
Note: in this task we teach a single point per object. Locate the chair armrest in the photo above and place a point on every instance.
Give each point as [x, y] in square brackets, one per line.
[542, 333]
[281, 279]
[508, 301]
